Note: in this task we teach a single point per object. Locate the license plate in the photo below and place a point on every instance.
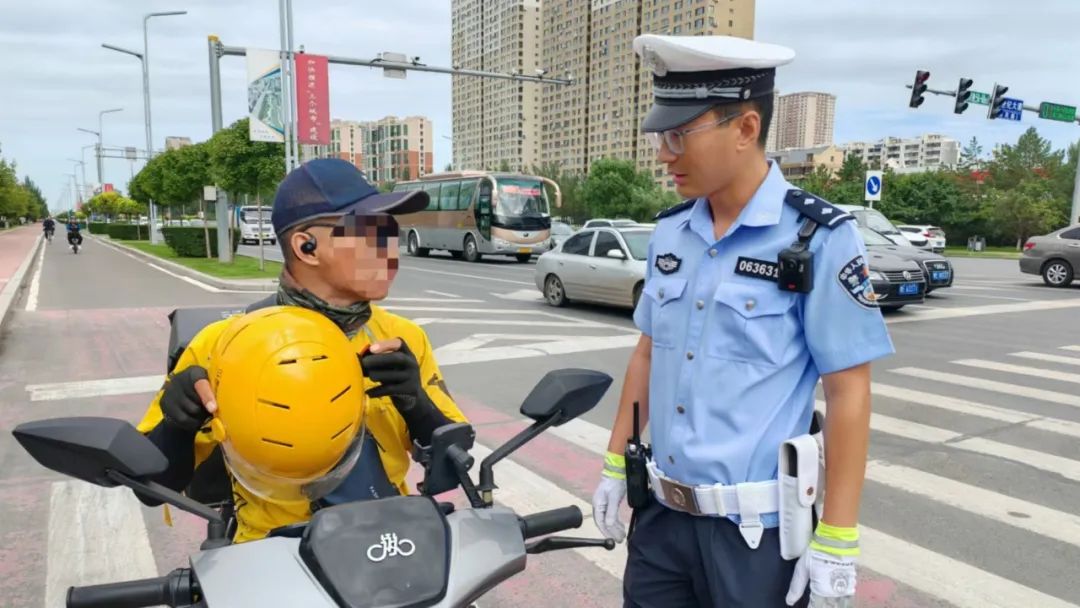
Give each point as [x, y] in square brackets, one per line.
[524, 250]
[909, 289]
[939, 275]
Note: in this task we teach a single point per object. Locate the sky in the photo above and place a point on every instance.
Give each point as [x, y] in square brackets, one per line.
[55, 77]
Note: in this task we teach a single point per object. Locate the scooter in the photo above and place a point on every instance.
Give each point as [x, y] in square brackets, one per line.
[398, 552]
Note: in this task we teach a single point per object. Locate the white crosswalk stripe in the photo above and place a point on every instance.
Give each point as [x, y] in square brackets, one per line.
[1009, 368]
[1048, 357]
[991, 385]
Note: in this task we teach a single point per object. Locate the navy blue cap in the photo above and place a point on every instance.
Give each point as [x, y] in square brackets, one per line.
[332, 186]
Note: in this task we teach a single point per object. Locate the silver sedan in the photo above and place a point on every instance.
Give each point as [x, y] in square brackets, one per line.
[600, 265]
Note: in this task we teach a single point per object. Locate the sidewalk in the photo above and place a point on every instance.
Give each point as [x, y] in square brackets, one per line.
[17, 249]
[262, 285]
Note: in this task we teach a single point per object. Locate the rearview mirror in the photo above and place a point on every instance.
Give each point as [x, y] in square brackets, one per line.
[87, 447]
[565, 394]
[616, 253]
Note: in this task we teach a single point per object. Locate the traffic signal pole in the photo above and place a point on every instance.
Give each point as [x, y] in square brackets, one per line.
[1074, 214]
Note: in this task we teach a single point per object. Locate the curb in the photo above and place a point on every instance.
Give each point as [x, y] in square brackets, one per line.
[254, 285]
[11, 290]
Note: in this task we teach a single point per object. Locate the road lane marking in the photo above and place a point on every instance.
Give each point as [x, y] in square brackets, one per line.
[436, 301]
[1074, 348]
[956, 582]
[443, 294]
[467, 276]
[972, 408]
[526, 492]
[95, 388]
[96, 535]
[986, 297]
[198, 284]
[990, 385]
[1031, 517]
[535, 349]
[1047, 357]
[35, 283]
[937, 575]
[1009, 368]
[989, 309]
[521, 295]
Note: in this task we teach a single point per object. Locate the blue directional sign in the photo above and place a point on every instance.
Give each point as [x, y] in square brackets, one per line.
[873, 185]
[1011, 109]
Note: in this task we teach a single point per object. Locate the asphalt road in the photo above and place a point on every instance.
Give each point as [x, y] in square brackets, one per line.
[972, 490]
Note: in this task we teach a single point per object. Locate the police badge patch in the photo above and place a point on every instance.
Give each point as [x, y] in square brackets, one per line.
[668, 263]
[854, 277]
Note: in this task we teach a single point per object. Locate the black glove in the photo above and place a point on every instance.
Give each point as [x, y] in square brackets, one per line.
[180, 403]
[398, 373]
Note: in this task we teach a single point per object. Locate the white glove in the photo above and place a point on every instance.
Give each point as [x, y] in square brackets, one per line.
[829, 576]
[605, 503]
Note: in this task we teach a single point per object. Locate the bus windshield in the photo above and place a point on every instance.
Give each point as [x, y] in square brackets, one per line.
[521, 198]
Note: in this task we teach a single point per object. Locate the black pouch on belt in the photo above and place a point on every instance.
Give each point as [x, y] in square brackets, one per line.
[637, 474]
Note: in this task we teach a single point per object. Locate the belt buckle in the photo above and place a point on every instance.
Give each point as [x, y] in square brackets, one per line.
[680, 496]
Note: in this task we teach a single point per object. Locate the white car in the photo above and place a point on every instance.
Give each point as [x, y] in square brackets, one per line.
[934, 235]
[600, 265]
[876, 221]
[605, 223]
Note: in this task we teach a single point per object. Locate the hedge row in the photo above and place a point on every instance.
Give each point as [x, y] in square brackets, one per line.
[190, 241]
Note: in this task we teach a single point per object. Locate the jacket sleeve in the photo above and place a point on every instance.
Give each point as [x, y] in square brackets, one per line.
[434, 382]
[184, 450]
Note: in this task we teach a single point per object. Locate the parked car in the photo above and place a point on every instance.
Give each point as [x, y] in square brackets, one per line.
[918, 232]
[1055, 256]
[600, 265]
[604, 223]
[876, 221]
[560, 231]
[937, 270]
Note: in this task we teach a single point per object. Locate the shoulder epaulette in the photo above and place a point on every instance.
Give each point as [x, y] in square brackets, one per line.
[676, 209]
[817, 209]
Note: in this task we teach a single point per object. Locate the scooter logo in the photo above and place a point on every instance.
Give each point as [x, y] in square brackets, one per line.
[389, 546]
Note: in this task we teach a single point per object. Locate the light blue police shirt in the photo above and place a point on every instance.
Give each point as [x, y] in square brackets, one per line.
[735, 360]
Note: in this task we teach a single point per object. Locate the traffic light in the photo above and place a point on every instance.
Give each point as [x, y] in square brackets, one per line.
[918, 88]
[963, 92]
[997, 98]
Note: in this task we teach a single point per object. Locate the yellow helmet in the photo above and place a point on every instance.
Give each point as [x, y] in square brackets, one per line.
[290, 399]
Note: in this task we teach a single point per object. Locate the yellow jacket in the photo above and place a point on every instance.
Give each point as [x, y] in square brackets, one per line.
[256, 517]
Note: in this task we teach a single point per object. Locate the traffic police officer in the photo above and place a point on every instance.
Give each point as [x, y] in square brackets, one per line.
[754, 291]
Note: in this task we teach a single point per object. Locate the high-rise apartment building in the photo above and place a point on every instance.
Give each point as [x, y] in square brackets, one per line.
[346, 142]
[600, 114]
[773, 139]
[397, 149]
[804, 120]
[495, 121]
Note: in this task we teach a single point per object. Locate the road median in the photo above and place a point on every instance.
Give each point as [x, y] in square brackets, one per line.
[242, 275]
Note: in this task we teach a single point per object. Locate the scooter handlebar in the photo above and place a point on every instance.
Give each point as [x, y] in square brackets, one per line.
[173, 589]
[550, 522]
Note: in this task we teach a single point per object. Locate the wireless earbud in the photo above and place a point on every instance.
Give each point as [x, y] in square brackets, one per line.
[308, 246]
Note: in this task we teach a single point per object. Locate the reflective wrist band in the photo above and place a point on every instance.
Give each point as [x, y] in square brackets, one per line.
[614, 466]
[843, 542]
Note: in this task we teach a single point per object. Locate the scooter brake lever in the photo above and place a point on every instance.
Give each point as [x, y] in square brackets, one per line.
[556, 543]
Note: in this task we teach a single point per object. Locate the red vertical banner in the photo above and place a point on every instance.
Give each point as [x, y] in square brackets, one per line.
[312, 99]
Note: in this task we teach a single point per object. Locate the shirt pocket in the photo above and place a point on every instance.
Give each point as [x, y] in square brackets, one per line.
[751, 324]
[667, 315]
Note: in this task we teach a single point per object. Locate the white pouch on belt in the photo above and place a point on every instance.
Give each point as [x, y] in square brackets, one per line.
[798, 485]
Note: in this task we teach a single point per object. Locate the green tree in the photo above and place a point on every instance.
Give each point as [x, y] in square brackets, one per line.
[240, 166]
[971, 155]
[1032, 155]
[14, 199]
[449, 167]
[818, 182]
[504, 166]
[1025, 210]
[38, 208]
[615, 188]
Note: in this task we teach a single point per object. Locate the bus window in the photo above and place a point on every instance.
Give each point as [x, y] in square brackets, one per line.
[448, 201]
[468, 188]
[433, 194]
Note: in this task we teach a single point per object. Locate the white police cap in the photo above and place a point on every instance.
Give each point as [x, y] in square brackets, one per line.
[692, 74]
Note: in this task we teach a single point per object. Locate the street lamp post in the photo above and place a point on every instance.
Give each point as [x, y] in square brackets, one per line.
[144, 57]
[79, 162]
[98, 134]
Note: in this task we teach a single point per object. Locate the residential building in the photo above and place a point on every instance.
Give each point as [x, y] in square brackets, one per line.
[797, 163]
[804, 120]
[175, 143]
[397, 149]
[600, 115]
[773, 138]
[923, 153]
[495, 121]
[346, 142]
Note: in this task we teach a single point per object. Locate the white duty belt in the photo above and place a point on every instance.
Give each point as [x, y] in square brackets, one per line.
[747, 500]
